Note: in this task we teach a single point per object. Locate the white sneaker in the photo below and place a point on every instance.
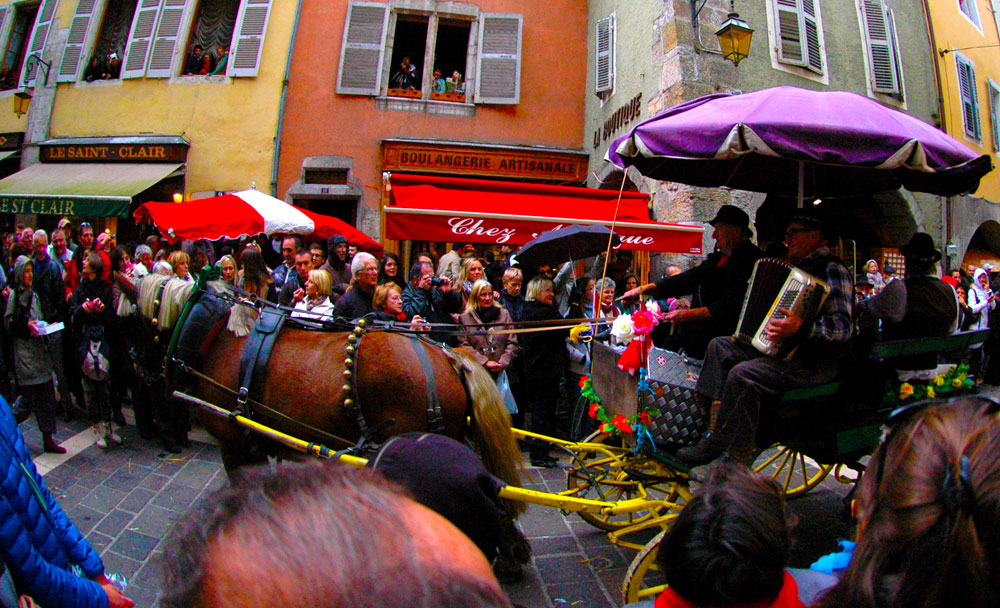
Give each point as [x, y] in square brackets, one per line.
[114, 438]
[102, 443]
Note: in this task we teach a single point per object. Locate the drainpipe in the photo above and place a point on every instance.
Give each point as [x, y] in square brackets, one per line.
[281, 104]
[940, 104]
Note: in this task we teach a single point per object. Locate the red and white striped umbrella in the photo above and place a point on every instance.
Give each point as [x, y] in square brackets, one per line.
[246, 213]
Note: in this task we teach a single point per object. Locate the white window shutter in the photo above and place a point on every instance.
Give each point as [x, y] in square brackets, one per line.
[140, 39]
[810, 28]
[37, 46]
[73, 52]
[363, 50]
[604, 79]
[994, 112]
[251, 25]
[168, 25]
[970, 103]
[498, 79]
[790, 46]
[881, 55]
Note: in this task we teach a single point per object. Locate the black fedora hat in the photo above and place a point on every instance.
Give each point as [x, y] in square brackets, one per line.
[921, 248]
[734, 216]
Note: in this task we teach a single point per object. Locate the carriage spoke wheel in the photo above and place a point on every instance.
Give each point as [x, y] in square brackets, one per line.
[642, 579]
[599, 476]
[795, 473]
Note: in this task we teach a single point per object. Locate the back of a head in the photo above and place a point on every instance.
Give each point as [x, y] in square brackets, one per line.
[929, 513]
[321, 535]
[730, 544]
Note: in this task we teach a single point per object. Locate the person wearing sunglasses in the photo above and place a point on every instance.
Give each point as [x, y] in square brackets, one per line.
[743, 379]
[928, 512]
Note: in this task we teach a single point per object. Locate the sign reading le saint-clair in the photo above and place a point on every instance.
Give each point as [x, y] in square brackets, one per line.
[109, 153]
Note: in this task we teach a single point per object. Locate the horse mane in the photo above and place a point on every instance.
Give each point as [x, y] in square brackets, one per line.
[166, 307]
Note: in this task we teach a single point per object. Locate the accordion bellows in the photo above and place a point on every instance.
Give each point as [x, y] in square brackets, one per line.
[777, 284]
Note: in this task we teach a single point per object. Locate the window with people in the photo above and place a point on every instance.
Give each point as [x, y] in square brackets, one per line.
[106, 60]
[385, 51]
[17, 43]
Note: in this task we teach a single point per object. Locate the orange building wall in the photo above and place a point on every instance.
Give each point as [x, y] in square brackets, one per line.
[320, 122]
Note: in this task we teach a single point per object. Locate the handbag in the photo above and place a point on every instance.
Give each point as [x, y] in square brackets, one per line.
[503, 385]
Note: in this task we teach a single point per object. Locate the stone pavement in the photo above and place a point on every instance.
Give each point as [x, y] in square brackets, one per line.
[126, 500]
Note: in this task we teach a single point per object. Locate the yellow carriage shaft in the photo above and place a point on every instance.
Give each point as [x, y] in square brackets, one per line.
[545, 499]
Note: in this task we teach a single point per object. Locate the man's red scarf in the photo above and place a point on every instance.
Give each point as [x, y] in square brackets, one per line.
[788, 597]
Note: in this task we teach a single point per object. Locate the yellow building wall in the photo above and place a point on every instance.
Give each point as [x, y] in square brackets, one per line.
[231, 125]
[953, 31]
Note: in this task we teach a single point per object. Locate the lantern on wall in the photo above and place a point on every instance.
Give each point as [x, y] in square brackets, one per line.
[734, 36]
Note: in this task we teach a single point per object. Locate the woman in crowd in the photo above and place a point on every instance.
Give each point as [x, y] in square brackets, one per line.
[581, 307]
[928, 510]
[316, 304]
[729, 546]
[227, 264]
[388, 271]
[471, 271]
[544, 364]
[510, 295]
[494, 351]
[388, 303]
[180, 262]
[981, 300]
[254, 278]
[32, 363]
[630, 305]
[92, 314]
[604, 293]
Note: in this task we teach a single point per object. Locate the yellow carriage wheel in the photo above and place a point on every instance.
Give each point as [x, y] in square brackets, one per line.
[641, 579]
[616, 474]
[794, 472]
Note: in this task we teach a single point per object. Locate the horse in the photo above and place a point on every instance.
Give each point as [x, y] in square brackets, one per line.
[319, 384]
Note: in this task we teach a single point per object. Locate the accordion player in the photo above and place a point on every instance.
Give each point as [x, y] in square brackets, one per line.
[774, 285]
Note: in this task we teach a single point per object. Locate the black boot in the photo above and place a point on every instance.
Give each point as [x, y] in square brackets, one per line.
[706, 450]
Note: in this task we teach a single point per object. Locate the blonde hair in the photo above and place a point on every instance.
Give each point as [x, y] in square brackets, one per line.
[382, 295]
[477, 289]
[512, 273]
[463, 274]
[321, 279]
[535, 286]
[177, 257]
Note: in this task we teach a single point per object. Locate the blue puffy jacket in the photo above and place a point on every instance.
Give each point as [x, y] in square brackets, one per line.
[39, 546]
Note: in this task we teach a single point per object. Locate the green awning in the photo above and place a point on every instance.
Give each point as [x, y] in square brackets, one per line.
[7, 154]
[82, 190]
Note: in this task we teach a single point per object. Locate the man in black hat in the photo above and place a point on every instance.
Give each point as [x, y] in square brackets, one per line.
[742, 379]
[919, 306]
[718, 284]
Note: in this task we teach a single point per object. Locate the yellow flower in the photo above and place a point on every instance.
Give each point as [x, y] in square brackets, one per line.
[905, 390]
[961, 377]
[930, 392]
[938, 380]
[957, 382]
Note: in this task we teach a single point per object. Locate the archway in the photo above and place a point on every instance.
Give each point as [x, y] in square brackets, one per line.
[984, 246]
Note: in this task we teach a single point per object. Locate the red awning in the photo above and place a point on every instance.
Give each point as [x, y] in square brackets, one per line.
[480, 211]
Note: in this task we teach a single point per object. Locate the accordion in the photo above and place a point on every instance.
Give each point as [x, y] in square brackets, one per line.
[777, 284]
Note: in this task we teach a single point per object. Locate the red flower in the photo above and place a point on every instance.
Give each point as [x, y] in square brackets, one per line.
[621, 423]
[605, 428]
[584, 380]
[643, 322]
[644, 418]
[594, 409]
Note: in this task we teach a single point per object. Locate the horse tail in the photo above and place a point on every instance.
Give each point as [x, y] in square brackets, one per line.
[491, 425]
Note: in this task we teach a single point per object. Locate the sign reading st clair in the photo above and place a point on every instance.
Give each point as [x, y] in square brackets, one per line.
[146, 153]
[40, 206]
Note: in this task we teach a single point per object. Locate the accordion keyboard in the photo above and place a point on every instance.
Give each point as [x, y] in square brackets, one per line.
[787, 299]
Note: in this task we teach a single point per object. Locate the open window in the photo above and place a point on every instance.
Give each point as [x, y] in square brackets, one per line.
[211, 37]
[17, 45]
[444, 79]
[407, 62]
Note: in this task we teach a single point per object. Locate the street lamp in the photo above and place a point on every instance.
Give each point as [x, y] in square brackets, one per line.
[22, 97]
[734, 36]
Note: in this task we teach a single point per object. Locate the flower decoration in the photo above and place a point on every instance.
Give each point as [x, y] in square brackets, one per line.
[643, 322]
[580, 332]
[619, 425]
[905, 390]
[622, 424]
[952, 381]
[644, 418]
[622, 329]
[595, 409]
[652, 306]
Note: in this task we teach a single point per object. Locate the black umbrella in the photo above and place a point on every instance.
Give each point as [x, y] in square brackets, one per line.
[565, 244]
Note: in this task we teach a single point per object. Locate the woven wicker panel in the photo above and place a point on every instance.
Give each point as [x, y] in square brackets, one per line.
[667, 367]
[681, 421]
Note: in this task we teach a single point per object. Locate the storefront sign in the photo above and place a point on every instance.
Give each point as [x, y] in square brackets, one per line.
[618, 119]
[66, 206]
[11, 141]
[110, 153]
[494, 161]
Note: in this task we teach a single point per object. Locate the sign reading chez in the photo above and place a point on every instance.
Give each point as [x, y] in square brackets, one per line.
[110, 153]
[499, 161]
[64, 205]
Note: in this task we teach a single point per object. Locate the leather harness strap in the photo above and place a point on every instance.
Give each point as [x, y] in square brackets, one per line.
[256, 353]
[435, 421]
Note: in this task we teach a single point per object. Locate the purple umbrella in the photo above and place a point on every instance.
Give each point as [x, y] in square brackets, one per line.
[797, 142]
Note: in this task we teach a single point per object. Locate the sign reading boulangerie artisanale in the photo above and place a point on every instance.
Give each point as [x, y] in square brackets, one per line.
[484, 160]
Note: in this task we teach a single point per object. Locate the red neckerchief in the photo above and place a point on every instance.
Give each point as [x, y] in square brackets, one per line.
[722, 261]
[788, 597]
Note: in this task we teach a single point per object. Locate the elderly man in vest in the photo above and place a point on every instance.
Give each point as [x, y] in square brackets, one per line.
[919, 306]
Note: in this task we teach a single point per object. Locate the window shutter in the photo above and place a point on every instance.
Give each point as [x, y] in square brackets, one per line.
[363, 49]
[140, 38]
[498, 79]
[994, 111]
[604, 63]
[161, 54]
[881, 55]
[251, 25]
[37, 46]
[810, 25]
[789, 32]
[967, 89]
[74, 43]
